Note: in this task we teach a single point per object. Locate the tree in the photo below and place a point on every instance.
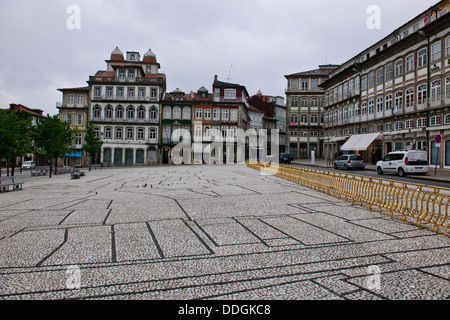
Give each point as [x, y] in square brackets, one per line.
[14, 132]
[52, 138]
[92, 143]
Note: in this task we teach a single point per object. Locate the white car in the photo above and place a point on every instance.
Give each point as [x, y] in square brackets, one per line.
[404, 162]
[29, 165]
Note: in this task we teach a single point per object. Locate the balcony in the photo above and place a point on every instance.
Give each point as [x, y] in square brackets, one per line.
[125, 98]
[126, 120]
[71, 105]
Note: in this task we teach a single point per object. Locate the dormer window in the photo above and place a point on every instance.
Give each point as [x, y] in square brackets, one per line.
[148, 69]
[122, 74]
[230, 94]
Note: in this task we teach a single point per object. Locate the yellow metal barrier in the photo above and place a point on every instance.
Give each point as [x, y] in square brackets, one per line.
[422, 205]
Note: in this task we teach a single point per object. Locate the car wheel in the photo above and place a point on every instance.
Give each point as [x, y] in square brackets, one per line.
[380, 171]
[345, 167]
[335, 166]
[401, 172]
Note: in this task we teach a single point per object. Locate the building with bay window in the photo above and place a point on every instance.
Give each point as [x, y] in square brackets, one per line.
[394, 95]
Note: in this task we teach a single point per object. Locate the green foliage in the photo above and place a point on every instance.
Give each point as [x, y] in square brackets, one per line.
[92, 143]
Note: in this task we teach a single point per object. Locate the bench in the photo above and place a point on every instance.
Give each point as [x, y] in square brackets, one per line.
[39, 172]
[95, 166]
[9, 182]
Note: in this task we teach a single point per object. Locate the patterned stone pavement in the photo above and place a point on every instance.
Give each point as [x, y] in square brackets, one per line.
[207, 232]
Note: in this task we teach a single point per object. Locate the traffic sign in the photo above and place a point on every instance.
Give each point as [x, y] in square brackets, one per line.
[438, 138]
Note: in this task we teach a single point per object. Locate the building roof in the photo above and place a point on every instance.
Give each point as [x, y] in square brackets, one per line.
[117, 55]
[324, 70]
[74, 89]
[34, 112]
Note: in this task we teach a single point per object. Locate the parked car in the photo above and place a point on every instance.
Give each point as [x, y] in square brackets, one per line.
[404, 162]
[350, 161]
[285, 158]
[29, 165]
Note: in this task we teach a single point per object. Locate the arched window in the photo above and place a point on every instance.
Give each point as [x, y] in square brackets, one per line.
[186, 113]
[97, 112]
[153, 113]
[177, 113]
[167, 113]
[130, 112]
[141, 113]
[108, 112]
[119, 112]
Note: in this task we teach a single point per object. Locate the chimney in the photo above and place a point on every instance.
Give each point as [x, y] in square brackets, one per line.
[215, 78]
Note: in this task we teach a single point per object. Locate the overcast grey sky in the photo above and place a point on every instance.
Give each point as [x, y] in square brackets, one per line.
[193, 40]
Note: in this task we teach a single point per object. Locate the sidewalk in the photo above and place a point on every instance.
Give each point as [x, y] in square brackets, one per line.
[441, 175]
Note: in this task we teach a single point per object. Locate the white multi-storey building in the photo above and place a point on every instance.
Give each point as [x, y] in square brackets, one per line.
[125, 108]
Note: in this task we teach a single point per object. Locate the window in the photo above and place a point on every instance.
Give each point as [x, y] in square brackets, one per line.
[97, 112]
[108, 112]
[345, 113]
[304, 118]
[78, 139]
[436, 51]
[398, 68]
[131, 75]
[422, 94]
[167, 113]
[422, 122]
[234, 115]
[80, 99]
[436, 91]
[186, 113]
[447, 47]
[97, 92]
[409, 124]
[389, 72]
[447, 88]
[294, 83]
[130, 113]
[119, 112]
[148, 69]
[371, 106]
[399, 99]
[314, 119]
[141, 113]
[140, 134]
[364, 108]
[294, 102]
[198, 114]
[79, 119]
[305, 84]
[398, 125]
[370, 81]
[141, 93]
[225, 114]
[122, 75]
[216, 114]
[364, 83]
[422, 58]
[388, 102]
[447, 119]
[152, 134]
[130, 133]
[303, 102]
[294, 118]
[131, 92]
[177, 113]
[109, 92]
[380, 76]
[410, 63]
[435, 121]
[409, 97]
[207, 114]
[68, 118]
[314, 83]
[357, 112]
[153, 114]
[108, 133]
[388, 127]
[379, 104]
[118, 133]
[120, 92]
[70, 99]
[230, 94]
[153, 93]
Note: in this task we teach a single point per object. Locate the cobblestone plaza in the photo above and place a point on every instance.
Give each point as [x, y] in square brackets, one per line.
[207, 232]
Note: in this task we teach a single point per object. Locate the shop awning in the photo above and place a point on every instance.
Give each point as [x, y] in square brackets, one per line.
[76, 154]
[359, 142]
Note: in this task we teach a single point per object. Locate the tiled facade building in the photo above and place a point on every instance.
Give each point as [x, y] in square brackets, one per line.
[125, 106]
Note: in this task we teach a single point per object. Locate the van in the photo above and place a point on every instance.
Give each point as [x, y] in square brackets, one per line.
[404, 162]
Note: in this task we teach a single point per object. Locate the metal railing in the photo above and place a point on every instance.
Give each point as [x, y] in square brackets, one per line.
[423, 205]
